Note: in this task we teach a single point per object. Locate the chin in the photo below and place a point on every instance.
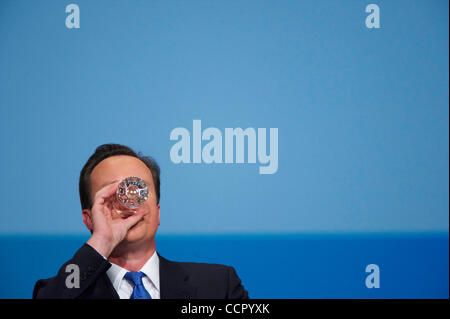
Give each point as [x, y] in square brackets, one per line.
[135, 233]
[134, 236]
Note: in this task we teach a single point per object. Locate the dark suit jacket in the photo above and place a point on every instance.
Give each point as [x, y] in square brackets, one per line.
[178, 280]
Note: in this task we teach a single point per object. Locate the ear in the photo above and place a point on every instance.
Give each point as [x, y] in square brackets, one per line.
[87, 220]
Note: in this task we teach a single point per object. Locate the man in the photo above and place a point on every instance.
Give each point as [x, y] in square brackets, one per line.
[120, 259]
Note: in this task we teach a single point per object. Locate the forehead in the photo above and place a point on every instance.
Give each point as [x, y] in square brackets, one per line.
[116, 168]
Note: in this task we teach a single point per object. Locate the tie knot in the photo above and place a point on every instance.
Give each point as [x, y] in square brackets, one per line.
[135, 277]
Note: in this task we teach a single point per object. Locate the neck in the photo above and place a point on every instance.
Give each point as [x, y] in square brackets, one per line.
[132, 256]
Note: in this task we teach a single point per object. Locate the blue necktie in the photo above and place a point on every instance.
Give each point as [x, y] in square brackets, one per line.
[139, 291]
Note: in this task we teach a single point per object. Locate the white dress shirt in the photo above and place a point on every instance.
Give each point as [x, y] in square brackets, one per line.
[151, 279]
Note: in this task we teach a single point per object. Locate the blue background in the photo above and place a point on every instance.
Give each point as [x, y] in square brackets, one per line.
[363, 128]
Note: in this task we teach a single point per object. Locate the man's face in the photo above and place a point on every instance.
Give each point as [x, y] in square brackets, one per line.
[116, 168]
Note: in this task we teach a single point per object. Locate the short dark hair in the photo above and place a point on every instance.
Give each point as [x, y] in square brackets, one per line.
[107, 150]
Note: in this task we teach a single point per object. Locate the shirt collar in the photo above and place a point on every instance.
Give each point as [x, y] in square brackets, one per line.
[150, 269]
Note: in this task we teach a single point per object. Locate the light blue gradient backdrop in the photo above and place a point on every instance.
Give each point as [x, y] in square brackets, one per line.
[362, 113]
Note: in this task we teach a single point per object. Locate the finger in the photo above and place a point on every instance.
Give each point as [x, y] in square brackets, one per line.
[105, 192]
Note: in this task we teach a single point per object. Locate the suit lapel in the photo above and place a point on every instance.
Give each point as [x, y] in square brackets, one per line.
[174, 281]
[109, 288]
[103, 289]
